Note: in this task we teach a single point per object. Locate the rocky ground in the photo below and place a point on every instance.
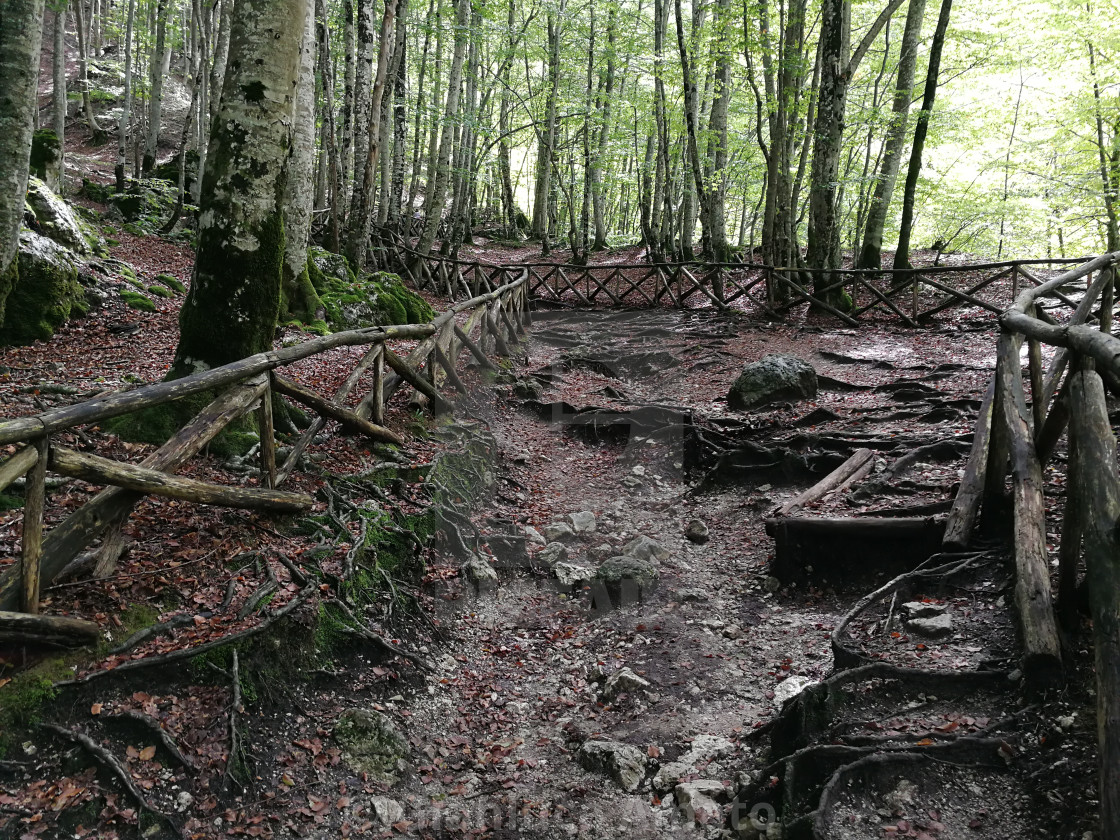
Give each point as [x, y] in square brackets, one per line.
[613, 657]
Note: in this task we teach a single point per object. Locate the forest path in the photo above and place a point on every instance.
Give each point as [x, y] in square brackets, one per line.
[532, 669]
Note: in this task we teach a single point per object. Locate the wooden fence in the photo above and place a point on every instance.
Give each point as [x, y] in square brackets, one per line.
[1017, 436]
[481, 325]
[912, 296]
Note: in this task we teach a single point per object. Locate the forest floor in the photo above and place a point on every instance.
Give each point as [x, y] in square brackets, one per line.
[529, 672]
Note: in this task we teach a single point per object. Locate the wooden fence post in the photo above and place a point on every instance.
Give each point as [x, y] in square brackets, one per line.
[377, 389]
[268, 436]
[34, 503]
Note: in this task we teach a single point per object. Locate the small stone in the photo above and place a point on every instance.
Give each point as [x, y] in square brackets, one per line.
[623, 763]
[670, 774]
[936, 627]
[478, 571]
[696, 531]
[521, 458]
[387, 811]
[638, 470]
[558, 531]
[697, 800]
[534, 536]
[771, 583]
[762, 488]
[631, 482]
[692, 595]
[923, 609]
[732, 631]
[1067, 721]
[601, 552]
[623, 681]
[553, 553]
[582, 522]
[183, 801]
[572, 574]
[629, 568]
[645, 548]
[1015, 675]
[901, 797]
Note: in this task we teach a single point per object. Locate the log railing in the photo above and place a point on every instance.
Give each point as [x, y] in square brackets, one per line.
[909, 295]
[1019, 437]
[482, 325]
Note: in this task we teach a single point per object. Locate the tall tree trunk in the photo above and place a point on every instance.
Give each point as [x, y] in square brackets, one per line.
[21, 35]
[223, 9]
[350, 108]
[155, 89]
[389, 115]
[871, 251]
[58, 95]
[716, 177]
[437, 185]
[361, 219]
[298, 297]
[126, 110]
[333, 156]
[546, 146]
[202, 22]
[902, 252]
[660, 209]
[364, 128]
[460, 221]
[230, 311]
[435, 126]
[838, 67]
[418, 110]
[603, 104]
[509, 203]
[83, 71]
[696, 190]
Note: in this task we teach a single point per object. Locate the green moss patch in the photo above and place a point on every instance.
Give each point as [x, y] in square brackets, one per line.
[147, 204]
[135, 300]
[160, 291]
[351, 301]
[46, 295]
[172, 283]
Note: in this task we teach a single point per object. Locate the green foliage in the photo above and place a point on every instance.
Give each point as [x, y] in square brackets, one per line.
[351, 301]
[22, 700]
[172, 283]
[160, 291]
[135, 300]
[45, 297]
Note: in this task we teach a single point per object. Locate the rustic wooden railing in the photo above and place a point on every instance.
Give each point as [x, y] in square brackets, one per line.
[912, 295]
[1017, 436]
[480, 325]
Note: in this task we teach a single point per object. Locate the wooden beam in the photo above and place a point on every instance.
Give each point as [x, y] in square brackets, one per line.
[18, 465]
[35, 498]
[1042, 657]
[267, 432]
[1099, 488]
[349, 419]
[47, 630]
[859, 459]
[63, 542]
[966, 504]
[416, 380]
[98, 470]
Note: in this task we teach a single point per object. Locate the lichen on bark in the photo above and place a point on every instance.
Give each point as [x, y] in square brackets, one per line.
[234, 300]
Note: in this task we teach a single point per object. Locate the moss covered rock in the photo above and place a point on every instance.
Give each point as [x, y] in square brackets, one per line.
[45, 295]
[53, 217]
[370, 300]
[371, 743]
[147, 204]
[46, 157]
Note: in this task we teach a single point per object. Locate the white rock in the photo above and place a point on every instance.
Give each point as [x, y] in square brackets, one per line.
[622, 762]
[534, 536]
[697, 801]
[183, 801]
[922, 609]
[645, 548]
[582, 522]
[478, 571]
[553, 553]
[623, 681]
[940, 625]
[790, 687]
[387, 810]
[571, 574]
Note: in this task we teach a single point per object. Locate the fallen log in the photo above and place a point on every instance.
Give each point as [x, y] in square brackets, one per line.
[860, 459]
[334, 411]
[98, 470]
[47, 630]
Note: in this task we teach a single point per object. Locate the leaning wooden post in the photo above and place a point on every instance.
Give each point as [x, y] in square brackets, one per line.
[1101, 487]
[914, 296]
[377, 389]
[1069, 551]
[1108, 297]
[34, 503]
[1014, 282]
[1034, 360]
[268, 436]
[1042, 657]
[496, 332]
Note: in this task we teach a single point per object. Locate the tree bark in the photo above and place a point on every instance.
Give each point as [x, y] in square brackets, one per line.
[58, 95]
[902, 250]
[155, 89]
[21, 31]
[871, 252]
[126, 110]
[231, 309]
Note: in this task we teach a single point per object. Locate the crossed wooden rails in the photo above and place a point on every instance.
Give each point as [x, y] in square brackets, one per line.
[730, 285]
[1015, 436]
[492, 322]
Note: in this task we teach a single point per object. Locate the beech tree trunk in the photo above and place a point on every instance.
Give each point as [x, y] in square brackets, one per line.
[231, 309]
[126, 110]
[155, 90]
[21, 31]
[902, 251]
[58, 95]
